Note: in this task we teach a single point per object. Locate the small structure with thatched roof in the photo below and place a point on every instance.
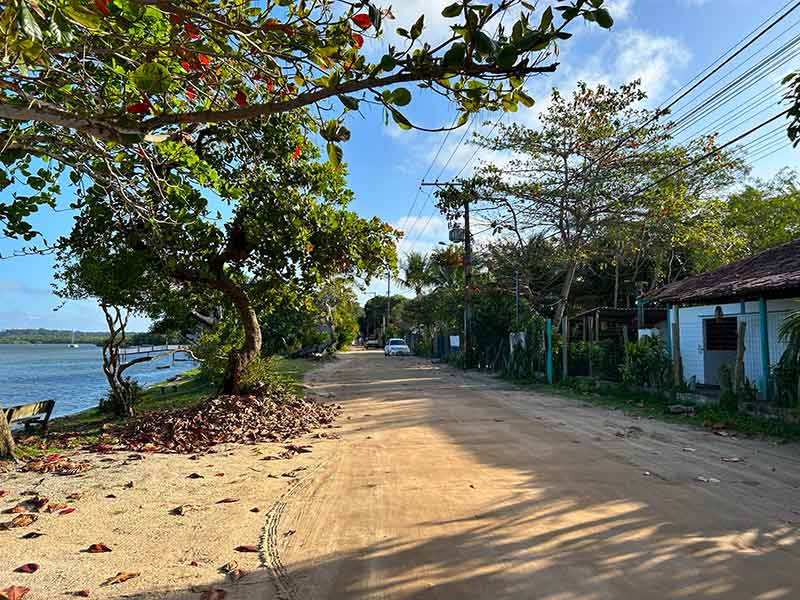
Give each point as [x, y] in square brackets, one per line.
[709, 310]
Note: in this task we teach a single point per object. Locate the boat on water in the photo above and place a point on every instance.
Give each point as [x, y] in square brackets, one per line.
[72, 344]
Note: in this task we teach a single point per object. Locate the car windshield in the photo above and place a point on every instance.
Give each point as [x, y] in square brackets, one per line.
[397, 342]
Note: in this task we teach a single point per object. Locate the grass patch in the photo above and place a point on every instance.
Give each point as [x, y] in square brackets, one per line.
[643, 404]
[86, 427]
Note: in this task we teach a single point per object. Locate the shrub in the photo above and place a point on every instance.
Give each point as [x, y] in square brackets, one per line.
[646, 363]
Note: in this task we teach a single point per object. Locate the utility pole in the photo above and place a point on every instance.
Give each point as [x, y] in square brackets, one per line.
[467, 194]
[388, 303]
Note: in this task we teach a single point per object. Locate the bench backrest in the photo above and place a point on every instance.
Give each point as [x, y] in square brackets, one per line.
[15, 413]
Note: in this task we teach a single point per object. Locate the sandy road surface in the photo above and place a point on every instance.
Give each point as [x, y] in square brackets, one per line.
[453, 487]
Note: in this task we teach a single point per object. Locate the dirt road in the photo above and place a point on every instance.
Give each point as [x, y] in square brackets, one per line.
[453, 487]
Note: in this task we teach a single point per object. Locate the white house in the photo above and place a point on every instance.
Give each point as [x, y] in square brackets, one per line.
[760, 291]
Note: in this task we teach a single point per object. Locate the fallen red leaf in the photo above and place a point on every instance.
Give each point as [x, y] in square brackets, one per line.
[83, 593]
[97, 548]
[247, 548]
[66, 511]
[362, 20]
[15, 592]
[51, 458]
[102, 6]
[27, 568]
[55, 506]
[219, 474]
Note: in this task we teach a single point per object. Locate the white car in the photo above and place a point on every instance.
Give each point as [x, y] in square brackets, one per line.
[396, 347]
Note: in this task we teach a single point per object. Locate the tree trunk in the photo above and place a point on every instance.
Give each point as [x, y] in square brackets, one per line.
[6, 439]
[239, 359]
[616, 282]
[563, 298]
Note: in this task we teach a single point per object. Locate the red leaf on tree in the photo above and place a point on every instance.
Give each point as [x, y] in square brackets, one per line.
[175, 19]
[98, 548]
[15, 592]
[204, 60]
[190, 94]
[241, 100]
[362, 20]
[28, 568]
[248, 548]
[66, 511]
[102, 6]
[185, 64]
[297, 151]
[139, 108]
[358, 39]
[192, 29]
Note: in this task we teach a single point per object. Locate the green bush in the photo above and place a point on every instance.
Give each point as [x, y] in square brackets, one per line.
[646, 363]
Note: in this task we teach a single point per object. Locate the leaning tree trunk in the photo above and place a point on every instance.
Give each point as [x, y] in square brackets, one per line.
[122, 393]
[563, 297]
[6, 439]
[240, 358]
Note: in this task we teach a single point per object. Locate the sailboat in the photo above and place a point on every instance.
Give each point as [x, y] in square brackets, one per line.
[72, 344]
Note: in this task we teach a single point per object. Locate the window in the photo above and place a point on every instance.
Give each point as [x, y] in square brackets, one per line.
[722, 334]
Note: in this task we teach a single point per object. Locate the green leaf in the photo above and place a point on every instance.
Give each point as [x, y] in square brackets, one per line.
[462, 119]
[603, 18]
[526, 100]
[400, 97]
[454, 57]
[452, 10]
[82, 16]
[547, 19]
[349, 103]
[483, 43]
[153, 78]
[388, 63]
[28, 23]
[506, 57]
[416, 28]
[401, 120]
[335, 154]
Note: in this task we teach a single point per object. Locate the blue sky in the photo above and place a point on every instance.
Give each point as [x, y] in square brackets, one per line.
[663, 42]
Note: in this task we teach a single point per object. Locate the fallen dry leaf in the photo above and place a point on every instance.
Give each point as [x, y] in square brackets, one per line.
[23, 520]
[15, 592]
[55, 507]
[120, 577]
[247, 548]
[227, 500]
[66, 511]
[3, 493]
[219, 474]
[83, 593]
[183, 509]
[255, 509]
[75, 496]
[195, 476]
[194, 563]
[110, 496]
[19, 508]
[39, 502]
[27, 568]
[97, 548]
[32, 535]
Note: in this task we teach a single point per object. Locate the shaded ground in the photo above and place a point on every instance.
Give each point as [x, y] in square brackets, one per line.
[449, 487]
[441, 486]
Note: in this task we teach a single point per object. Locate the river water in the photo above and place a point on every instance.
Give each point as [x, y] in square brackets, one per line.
[73, 377]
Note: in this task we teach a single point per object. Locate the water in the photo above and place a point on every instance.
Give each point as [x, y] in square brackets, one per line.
[73, 377]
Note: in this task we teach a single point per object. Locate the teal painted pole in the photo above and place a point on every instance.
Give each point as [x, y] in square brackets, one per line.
[762, 310]
[548, 332]
[669, 330]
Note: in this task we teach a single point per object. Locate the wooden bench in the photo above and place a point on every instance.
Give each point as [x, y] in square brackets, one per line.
[31, 414]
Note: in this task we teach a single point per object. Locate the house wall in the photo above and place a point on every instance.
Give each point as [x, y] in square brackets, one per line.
[693, 343]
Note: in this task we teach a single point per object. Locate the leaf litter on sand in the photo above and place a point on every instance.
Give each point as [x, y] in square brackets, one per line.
[272, 414]
[14, 592]
[120, 577]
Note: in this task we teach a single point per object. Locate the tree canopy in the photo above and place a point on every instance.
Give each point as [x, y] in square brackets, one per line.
[86, 86]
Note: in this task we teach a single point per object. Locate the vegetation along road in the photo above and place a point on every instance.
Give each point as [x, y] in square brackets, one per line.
[452, 486]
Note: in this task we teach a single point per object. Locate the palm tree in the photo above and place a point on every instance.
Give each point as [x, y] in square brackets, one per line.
[415, 272]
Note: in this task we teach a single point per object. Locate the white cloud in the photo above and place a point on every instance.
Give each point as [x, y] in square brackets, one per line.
[653, 59]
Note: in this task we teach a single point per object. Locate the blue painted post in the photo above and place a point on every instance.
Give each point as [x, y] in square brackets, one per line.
[548, 332]
[669, 330]
[762, 310]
